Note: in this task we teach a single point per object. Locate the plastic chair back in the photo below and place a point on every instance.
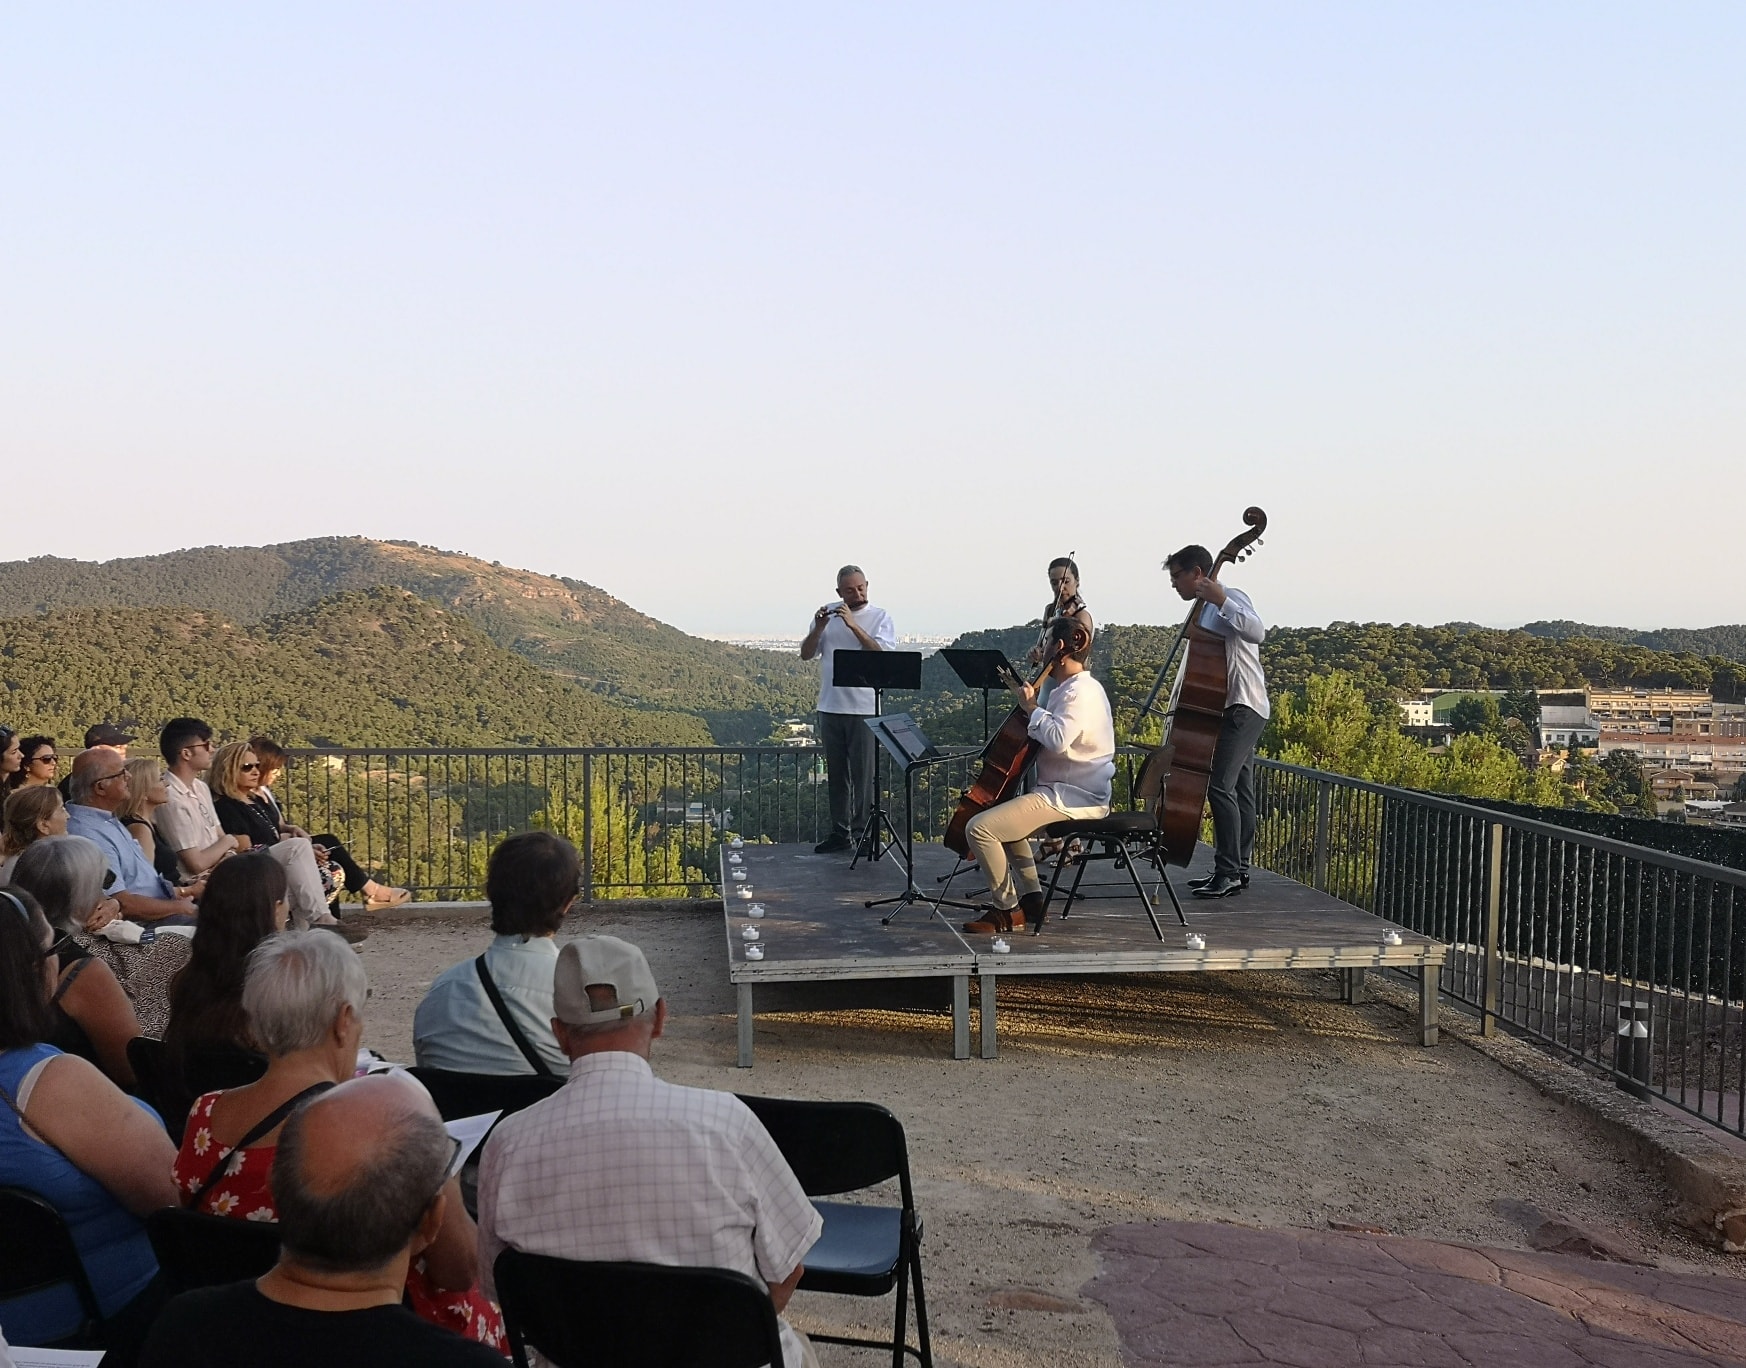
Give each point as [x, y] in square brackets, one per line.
[38, 1252]
[198, 1250]
[836, 1146]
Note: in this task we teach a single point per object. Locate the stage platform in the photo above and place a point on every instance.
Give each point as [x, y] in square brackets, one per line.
[816, 927]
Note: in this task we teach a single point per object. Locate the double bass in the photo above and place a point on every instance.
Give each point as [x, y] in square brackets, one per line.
[1008, 752]
[1177, 774]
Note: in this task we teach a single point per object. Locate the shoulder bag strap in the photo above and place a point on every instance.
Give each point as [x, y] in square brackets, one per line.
[260, 1128]
[522, 1043]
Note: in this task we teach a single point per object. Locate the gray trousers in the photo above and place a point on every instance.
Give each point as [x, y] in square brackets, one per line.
[1231, 793]
[849, 749]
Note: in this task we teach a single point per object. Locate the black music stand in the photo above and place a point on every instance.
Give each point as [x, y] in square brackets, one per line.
[979, 669]
[878, 671]
[911, 750]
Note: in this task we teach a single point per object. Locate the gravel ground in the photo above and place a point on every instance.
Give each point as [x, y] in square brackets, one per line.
[1257, 1099]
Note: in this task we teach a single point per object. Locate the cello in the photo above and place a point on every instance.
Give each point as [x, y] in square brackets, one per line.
[1178, 773]
[1007, 753]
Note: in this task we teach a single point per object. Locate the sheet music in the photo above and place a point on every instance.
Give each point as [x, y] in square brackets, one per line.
[469, 1130]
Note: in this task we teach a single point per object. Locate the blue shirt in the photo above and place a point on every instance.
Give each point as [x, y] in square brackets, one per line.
[133, 872]
[456, 1027]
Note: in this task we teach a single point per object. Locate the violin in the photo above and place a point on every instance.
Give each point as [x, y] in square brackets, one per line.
[1008, 752]
[1177, 774]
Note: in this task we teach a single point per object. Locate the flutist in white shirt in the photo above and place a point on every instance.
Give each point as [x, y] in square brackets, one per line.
[1075, 735]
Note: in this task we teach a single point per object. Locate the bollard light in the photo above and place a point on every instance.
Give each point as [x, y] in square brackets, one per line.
[1632, 1051]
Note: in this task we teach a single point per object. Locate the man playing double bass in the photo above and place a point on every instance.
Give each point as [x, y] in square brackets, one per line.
[1075, 735]
[1231, 791]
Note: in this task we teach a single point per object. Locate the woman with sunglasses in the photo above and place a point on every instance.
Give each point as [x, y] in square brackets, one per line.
[38, 764]
[90, 1013]
[68, 1134]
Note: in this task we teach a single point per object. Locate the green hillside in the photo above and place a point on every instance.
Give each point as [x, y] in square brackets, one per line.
[1728, 641]
[565, 626]
[380, 668]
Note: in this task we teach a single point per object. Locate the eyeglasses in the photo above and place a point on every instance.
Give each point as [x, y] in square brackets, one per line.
[58, 947]
[104, 779]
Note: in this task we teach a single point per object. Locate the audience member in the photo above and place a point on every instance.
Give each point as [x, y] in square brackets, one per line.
[243, 905]
[303, 994]
[360, 1189]
[271, 756]
[67, 1133]
[100, 789]
[531, 881]
[108, 734]
[38, 766]
[189, 823]
[93, 1016]
[11, 757]
[620, 1165]
[146, 793]
[30, 814]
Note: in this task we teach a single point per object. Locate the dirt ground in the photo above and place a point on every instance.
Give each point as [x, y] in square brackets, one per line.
[1257, 1099]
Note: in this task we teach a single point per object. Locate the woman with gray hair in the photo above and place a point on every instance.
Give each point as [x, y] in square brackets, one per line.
[92, 1014]
[304, 997]
[65, 874]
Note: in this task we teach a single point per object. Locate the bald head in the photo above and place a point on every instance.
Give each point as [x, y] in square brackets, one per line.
[357, 1168]
[99, 778]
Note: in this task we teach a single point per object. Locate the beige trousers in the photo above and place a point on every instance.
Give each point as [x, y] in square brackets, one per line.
[1000, 837]
[303, 881]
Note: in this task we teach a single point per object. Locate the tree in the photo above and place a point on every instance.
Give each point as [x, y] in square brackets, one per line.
[1475, 716]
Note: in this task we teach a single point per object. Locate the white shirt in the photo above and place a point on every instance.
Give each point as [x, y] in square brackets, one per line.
[876, 623]
[621, 1165]
[1241, 627]
[188, 821]
[1077, 736]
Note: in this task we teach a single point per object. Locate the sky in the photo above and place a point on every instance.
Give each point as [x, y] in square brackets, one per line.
[698, 302]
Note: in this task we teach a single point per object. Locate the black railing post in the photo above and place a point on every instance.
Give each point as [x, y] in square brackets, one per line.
[1493, 939]
[1324, 814]
[588, 826]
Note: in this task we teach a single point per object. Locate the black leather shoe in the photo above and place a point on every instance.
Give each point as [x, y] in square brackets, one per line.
[1195, 885]
[1219, 886]
[832, 844]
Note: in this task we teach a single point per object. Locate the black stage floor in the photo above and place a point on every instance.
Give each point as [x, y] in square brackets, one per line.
[816, 927]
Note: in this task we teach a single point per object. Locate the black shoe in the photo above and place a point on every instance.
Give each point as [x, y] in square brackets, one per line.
[1195, 885]
[1219, 886]
[832, 844]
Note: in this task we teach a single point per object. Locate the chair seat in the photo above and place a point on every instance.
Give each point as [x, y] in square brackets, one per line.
[858, 1252]
[1116, 824]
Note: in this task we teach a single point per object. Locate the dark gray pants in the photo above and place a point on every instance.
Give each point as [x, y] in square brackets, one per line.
[1231, 793]
[849, 747]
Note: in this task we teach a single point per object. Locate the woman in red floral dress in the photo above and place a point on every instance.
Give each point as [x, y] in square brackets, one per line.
[296, 979]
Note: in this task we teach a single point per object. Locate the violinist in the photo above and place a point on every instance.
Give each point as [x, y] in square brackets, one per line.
[1231, 789]
[1075, 735]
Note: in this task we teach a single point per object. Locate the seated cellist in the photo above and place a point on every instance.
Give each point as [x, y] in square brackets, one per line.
[1075, 736]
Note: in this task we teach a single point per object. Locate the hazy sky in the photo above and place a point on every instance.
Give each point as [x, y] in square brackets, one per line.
[697, 302]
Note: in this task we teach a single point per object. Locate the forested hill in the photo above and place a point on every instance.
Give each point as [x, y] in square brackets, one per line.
[381, 668]
[569, 628]
[1729, 641]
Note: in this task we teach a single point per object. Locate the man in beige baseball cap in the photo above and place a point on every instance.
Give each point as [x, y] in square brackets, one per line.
[618, 1164]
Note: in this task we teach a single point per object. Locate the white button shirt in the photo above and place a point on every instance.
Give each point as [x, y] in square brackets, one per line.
[1077, 736]
[621, 1165]
[1241, 627]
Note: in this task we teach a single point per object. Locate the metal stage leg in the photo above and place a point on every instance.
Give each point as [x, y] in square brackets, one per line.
[960, 1016]
[1428, 974]
[745, 1061]
[1352, 984]
[985, 1016]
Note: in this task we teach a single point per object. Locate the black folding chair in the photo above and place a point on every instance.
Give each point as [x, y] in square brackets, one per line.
[154, 1079]
[171, 1090]
[37, 1253]
[198, 1250]
[469, 1094]
[865, 1251]
[1127, 840]
[581, 1314]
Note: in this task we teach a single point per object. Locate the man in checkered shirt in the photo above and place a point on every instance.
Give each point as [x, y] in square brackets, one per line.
[620, 1165]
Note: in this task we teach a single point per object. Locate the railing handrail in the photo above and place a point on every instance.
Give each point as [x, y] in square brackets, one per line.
[315, 752]
[1684, 864]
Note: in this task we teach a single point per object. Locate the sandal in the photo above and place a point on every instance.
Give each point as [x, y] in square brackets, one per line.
[990, 920]
[387, 897]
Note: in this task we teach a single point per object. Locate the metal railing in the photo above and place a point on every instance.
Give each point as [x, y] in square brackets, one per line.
[1559, 934]
[1627, 958]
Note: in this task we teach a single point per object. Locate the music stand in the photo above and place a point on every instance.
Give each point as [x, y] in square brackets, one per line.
[911, 750]
[979, 669]
[878, 671]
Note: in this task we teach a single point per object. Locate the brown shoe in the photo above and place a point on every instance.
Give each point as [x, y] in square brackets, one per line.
[991, 920]
[351, 934]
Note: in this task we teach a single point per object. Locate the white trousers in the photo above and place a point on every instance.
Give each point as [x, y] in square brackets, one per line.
[304, 890]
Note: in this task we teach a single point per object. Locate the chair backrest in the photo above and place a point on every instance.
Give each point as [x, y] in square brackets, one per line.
[198, 1250]
[215, 1068]
[582, 1314]
[469, 1094]
[38, 1252]
[836, 1146]
[154, 1077]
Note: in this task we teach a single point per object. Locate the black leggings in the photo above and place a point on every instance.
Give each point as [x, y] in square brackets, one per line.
[356, 878]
